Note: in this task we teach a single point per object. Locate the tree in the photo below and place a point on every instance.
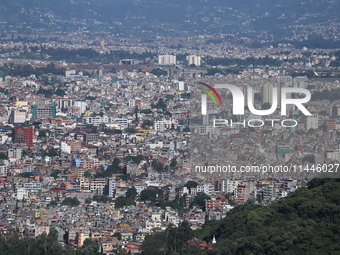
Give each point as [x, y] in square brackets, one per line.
[130, 130]
[151, 195]
[158, 72]
[171, 241]
[118, 235]
[136, 159]
[90, 247]
[323, 112]
[266, 106]
[3, 156]
[131, 193]
[87, 174]
[53, 203]
[60, 92]
[42, 133]
[51, 152]
[72, 201]
[311, 131]
[122, 201]
[173, 163]
[154, 244]
[191, 184]
[114, 168]
[157, 166]
[144, 175]
[161, 104]
[309, 159]
[55, 174]
[145, 166]
[199, 200]
[147, 124]
[102, 199]
[186, 129]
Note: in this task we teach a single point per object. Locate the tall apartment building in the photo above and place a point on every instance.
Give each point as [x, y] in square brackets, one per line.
[312, 121]
[97, 186]
[301, 82]
[91, 137]
[81, 104]
[64, 103]
[43, 112]
[162, 125]
[111, 187]
[242, 194]
[15, 153]
[267, 93]
[192, 59]
[166, 59]
[17, 116]
[23, 134]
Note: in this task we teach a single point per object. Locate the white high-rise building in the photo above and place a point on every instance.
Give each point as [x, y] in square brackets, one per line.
[312, 121]
[167, 59]
[132, 102]
[301, 82]
[162, 125]
[192, 59]
[181, 85]
[111, 187]
[245, 93]
[15, 154]
[267, 93]
[65, 102]
[81, 104]
[17, 116]
[64, 147]
[228, 186]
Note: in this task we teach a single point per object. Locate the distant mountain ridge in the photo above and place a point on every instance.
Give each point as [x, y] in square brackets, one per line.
[164, 17]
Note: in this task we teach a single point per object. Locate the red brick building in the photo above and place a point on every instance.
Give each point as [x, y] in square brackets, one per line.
[23, 134]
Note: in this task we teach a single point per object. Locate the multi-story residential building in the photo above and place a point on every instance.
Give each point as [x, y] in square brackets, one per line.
[15, 154]
[111, 187]
[166, 59]
[192, 59]
[97, 186]
[43, 112]
[162, 125]
[17, 116]
[312, 122]
[23, 134]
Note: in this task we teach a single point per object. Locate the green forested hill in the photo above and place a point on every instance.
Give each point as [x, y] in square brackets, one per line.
[306, 222]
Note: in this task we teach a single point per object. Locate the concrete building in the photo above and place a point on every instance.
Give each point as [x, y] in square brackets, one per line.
[192, 59]
[111, 187]
[167, 59]
[43, 112]
[90, 138]
[15, 154]
[64, 103]
[267, 93]
[23, 134]
[81, 104]
[312, 121]
[162, 125]
[17, 116]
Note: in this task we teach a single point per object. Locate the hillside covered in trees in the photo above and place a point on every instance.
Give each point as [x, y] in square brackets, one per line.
[306, 222]
[12, 244]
